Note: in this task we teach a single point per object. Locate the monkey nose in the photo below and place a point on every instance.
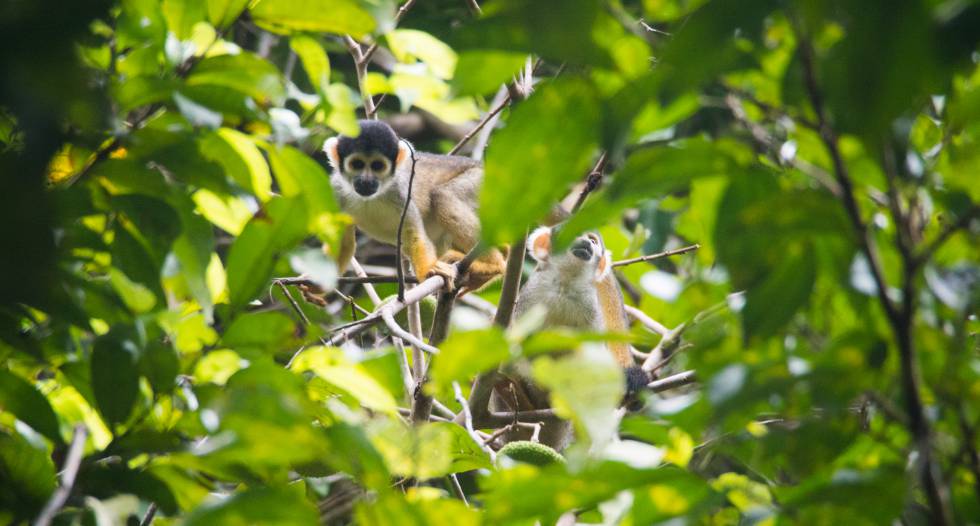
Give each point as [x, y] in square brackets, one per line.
[365, 185]
[582, 249]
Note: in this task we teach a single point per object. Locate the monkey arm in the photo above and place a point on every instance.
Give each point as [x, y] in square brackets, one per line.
[420, 250]
[347, 245]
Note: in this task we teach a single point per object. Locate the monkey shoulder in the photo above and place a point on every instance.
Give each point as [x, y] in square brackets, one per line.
[445, 168]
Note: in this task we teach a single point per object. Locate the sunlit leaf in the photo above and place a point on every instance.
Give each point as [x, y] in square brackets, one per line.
[323, 16]
[21, 399]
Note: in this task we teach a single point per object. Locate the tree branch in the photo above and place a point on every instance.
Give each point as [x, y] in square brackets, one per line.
[658, 255]
[68, 473]
[673, 381]
[591, 182]
[901, 320]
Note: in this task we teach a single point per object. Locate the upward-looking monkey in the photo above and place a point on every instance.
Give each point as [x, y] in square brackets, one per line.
[370, 182]
[578, 290]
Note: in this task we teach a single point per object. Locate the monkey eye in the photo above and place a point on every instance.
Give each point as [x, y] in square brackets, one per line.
[357, 164]
[378, 166]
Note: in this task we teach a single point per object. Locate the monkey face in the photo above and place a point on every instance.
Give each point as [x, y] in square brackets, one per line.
[586, 256]
[367, 162]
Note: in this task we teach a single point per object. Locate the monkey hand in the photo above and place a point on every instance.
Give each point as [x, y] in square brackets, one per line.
[447, 271]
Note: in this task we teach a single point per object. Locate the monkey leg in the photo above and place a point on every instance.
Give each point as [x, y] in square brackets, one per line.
[485, 269]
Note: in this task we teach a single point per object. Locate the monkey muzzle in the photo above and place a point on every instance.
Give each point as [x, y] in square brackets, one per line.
[365, 186]
[582, 249]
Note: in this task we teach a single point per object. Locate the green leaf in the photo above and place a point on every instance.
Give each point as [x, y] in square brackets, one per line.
[479, 72]
[555, 29]
[181, 15]
[138, 298]
[228, 212]
[193, 250]
[221, 13]
[115, 376]
[314, 59]
[351, 379]
[410, 44]
[300, 176]
[276, 506]
[526, 491]
[264, 331]
[651, 172]
[19, 398]
[586, 387]
[132, 93]
[256, 250]
[241, 159]
[565, 108]
[415, 509]
[772, 303]
[244, 72]
[465, 354]
[319, 16]
[28, 476]
[160, 365]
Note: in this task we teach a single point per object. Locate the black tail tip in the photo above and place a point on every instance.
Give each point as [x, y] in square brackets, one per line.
[636, 380]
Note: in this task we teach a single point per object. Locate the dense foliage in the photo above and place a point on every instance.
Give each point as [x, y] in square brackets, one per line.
[160, 172]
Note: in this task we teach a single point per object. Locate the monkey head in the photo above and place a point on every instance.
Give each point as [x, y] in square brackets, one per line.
[367, 162]
[586, 258]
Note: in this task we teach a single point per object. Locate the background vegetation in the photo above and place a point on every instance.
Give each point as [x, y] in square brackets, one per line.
[159, 171]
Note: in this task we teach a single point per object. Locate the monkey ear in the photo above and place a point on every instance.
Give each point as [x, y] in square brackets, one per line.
[539, 243]
[404, 152]
[604, 268]
[330, 148]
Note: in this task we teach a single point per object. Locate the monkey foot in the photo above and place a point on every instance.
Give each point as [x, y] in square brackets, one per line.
[447, 271]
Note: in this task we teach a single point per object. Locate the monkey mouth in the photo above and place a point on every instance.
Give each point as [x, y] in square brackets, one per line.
[365, 186]
[582, 249]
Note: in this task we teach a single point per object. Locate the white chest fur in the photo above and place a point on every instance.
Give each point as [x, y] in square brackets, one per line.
[377, 217]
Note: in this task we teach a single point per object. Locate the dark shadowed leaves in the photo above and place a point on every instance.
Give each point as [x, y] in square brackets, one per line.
[280, 506]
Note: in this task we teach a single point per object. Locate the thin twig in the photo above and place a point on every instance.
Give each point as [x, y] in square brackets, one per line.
[457, 488]
[69, 471]
[668, 343]
[964, 220]
[368, 287]
[151, 512]
[658, 255]
[475, 7]
[426, 288]
[483, 122]
[591, 182]
[401, 226]
[468, 423]
[396, 329]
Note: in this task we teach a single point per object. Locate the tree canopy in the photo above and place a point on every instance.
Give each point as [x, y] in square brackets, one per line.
[165, 200]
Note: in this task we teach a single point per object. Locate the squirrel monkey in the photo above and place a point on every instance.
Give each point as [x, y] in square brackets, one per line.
[578, 290]
[370, 181]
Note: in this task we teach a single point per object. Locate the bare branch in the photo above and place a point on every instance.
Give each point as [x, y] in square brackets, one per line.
[962, 222]
[68, 473]
[468, 422]
[483, 122]
[659, 255]
[647, 321]
[670, 382]
[900, 319]
[591, 182]
[426, 288]
[389, 319]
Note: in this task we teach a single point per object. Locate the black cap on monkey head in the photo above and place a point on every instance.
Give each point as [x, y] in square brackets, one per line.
[376, 136]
